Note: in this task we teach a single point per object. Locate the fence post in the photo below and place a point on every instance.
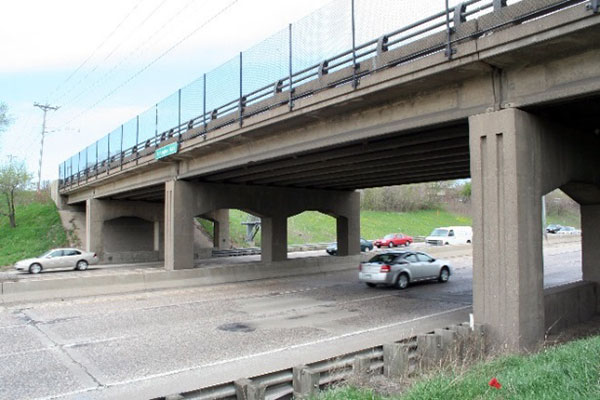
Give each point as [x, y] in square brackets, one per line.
[305, 382]
[108, 157]
[121, 153]
[291, 87]
[156, 126]
[360, 366]
[449, 50]
[395, 360]
[354, 66]
[179, 114]
[204, 102]
[241, 102]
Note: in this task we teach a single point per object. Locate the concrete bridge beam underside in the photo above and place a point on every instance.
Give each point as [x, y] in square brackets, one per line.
[131, 235]
[516, 158]
[184, 200]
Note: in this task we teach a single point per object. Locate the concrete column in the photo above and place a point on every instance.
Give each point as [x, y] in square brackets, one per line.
[94, 218]
[221, 239]
[508, 291]
[348, 226]
[273, 238]
[179, 225]
[590, 242]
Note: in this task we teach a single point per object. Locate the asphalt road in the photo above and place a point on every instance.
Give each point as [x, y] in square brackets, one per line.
[149, 344]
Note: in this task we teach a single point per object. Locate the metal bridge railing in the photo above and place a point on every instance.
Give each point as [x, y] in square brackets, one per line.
[314, 54]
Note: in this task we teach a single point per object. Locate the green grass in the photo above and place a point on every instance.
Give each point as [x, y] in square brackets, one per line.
[568, 219]
[315, 227]
[38, 229]
[570, 371]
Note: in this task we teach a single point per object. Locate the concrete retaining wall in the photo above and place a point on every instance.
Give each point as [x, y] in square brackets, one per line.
[153, 279]
[570, 304]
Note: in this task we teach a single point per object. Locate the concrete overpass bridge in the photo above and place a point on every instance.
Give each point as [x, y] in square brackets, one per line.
[508, 95]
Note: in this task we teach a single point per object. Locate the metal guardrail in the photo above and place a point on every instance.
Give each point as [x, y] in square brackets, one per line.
[407, 357]
[437, 33]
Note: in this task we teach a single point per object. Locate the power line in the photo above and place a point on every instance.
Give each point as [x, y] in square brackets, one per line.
[164, 53]
[130, 55]
[106, 39]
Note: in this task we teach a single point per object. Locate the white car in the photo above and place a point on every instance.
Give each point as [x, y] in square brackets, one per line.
[58, 259]
[449, 235]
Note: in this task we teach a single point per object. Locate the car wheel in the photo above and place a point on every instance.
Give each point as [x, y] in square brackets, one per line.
[35, 268]
[391, 244]
[402, 281]
[81, 265]
[444, 275]
[407, 244]
[369, 284]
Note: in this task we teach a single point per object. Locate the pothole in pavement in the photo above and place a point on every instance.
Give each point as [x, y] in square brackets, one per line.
[236, 327]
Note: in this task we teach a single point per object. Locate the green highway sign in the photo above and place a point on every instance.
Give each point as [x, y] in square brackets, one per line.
[166, 150]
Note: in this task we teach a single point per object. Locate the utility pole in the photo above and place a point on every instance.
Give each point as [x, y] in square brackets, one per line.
[45, 108]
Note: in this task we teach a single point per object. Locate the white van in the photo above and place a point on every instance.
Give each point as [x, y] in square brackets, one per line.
[450, 235]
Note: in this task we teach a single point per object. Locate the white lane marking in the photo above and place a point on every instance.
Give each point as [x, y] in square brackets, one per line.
[281, 349]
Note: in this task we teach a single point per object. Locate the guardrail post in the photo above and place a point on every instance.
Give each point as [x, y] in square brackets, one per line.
[429, 350]
[305, 382]
[245, 389]
[179, 114]
[241, 101]
[449, 343]
[498, 4]
[360, 366]
[395, 360]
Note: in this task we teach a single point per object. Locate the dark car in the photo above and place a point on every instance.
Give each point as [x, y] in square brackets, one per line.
[365, 245]
[553, 228]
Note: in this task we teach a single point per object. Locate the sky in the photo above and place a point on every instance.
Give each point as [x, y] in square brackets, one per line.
[105, 62]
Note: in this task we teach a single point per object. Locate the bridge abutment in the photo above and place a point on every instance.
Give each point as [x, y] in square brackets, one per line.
[590, 243]
[124, 231]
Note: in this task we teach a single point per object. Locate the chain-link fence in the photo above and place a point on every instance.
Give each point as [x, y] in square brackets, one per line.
[334, 46]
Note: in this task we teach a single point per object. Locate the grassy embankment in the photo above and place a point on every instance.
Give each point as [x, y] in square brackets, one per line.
[38, 229]
[569, 371]
[314, 227]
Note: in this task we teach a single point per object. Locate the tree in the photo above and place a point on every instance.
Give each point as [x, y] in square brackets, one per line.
[14, 177]
[4, 117]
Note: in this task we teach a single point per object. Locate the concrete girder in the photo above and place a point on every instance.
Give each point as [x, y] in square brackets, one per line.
[419, 140]
[373, 169]
[389, 181]
[415, 153]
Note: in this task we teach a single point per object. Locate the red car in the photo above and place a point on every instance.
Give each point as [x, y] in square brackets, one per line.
[393, 240]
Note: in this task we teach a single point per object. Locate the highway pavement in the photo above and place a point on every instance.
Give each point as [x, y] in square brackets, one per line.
[142, 345]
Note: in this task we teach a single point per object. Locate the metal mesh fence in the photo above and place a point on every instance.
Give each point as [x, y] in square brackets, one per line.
[147, 125]
[192, 100]
[130, 134]
[223, 86]
[317, 45]
[168, 113]
[322, 35]
[265, 64]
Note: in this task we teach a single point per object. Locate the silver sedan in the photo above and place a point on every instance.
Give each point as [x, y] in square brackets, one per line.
[58, 259]
[399, 268]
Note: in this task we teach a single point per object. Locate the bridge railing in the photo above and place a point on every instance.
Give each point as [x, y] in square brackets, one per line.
[314, 54]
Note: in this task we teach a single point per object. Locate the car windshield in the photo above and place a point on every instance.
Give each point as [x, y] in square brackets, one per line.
[385, 258]
[390, 236]
[439, 232]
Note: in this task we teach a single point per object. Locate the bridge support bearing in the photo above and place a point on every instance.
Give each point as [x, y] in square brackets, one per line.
[179, 225]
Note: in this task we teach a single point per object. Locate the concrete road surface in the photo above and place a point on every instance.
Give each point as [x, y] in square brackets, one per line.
[149, 344]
